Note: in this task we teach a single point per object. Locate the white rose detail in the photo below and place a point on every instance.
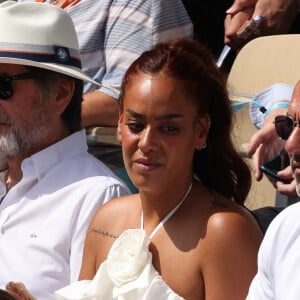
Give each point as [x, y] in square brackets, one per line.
[127, 274]
[128, 256]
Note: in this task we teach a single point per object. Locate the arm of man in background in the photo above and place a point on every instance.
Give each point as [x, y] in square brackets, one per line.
[131, 28]
[99, 109]
[278, 18]
[265, 144]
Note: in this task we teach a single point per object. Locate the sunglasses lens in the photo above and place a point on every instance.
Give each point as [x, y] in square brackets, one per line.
[5, 89]
[284, 126]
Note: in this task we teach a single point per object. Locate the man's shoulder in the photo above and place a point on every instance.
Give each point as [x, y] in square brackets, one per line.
[289, 215]
[285, 227]
[96, 172]
[85, 173]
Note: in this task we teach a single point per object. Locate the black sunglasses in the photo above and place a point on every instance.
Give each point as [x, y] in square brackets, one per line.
[6, 89]
[284, 125]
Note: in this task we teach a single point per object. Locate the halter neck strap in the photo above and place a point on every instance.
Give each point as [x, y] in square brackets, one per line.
[168, 216]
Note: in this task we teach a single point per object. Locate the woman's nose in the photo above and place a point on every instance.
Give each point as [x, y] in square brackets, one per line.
[149, 140]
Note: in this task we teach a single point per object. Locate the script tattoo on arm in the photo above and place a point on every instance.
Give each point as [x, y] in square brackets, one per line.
[104, 233]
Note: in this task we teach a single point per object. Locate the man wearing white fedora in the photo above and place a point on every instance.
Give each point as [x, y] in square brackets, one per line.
[112, 34]
[50, 186]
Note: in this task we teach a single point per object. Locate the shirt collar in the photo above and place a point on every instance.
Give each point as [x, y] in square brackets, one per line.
[47, 158]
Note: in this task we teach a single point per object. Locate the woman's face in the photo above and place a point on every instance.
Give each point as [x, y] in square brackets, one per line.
[159, 129]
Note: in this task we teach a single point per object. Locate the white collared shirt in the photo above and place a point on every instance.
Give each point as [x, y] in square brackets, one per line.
[44, 218]
[278, 272]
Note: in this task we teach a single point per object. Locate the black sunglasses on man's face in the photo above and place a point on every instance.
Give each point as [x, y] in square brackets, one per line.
[284, 125]
[6, 89]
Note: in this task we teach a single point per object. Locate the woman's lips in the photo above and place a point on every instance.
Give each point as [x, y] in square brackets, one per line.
[146, 165]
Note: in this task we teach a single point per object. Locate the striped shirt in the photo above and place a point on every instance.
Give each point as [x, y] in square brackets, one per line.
[113, 33]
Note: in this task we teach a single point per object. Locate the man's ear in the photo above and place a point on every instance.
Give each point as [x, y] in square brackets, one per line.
[63, 95]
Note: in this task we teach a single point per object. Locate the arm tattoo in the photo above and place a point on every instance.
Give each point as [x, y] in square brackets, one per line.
[104, 233]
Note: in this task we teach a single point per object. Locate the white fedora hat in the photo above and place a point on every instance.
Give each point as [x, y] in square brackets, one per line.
[40, 35]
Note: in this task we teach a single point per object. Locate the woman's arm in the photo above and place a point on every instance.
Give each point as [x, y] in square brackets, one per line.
[232, 245]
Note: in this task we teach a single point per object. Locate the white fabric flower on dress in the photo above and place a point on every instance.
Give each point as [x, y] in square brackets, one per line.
[128, 256]
[127, 274]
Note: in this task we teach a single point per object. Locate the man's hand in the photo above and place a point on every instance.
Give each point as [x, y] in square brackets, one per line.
[19, 291]
[284, 188]
[263, 146]
[278, 18]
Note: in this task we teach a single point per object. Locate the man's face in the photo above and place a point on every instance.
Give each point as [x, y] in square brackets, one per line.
[23, 116]
[292, 145]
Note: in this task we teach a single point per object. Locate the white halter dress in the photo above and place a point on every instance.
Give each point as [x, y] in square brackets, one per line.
[127, 273]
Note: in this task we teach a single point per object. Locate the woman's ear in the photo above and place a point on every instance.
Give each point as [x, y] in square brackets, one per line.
[119, 129]
[203, 126]
[63, 95]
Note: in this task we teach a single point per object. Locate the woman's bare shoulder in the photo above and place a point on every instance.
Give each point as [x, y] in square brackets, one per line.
[223, 218]
[229, 247]
[116, 209]
[109, 221]
[232, 225]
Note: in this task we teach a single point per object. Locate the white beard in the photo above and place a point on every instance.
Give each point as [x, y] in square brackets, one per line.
[295, 157]
[8, 145]
[27, 136]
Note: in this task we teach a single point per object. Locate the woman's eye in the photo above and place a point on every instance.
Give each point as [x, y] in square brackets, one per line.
[170, 129]
[135, 127]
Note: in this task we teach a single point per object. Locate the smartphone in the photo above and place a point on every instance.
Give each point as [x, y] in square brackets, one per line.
[278, 163]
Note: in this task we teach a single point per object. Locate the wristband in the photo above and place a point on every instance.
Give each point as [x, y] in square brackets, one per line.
[275, 106]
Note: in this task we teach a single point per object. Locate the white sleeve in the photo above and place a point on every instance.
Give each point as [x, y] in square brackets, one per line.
[134, 27]
[279, 259]
[261, 286]
[93, 201]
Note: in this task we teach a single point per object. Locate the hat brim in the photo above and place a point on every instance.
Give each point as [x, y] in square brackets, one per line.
[66, 70]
